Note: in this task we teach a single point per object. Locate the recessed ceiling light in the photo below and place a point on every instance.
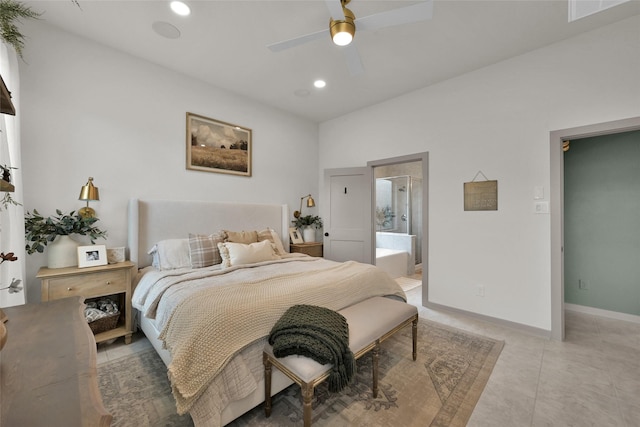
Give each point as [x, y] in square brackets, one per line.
[180, 8]
[319, 84]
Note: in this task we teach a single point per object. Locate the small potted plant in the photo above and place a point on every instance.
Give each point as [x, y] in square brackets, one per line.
[309, 224]
[54, 232]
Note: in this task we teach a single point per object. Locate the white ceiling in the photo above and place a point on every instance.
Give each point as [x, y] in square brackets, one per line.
[224, 43]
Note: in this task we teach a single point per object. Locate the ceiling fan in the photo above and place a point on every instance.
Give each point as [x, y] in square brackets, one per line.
[342, 27]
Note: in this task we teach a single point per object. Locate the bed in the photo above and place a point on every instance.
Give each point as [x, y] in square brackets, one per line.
[209, 322]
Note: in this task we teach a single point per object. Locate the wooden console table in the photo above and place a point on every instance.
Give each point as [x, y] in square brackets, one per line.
[48, 374]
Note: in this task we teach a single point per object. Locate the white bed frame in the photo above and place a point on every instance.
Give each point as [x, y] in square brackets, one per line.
[153, 220]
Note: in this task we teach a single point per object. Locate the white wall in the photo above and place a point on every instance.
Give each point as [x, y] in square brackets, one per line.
[88, 110]
[496, 120]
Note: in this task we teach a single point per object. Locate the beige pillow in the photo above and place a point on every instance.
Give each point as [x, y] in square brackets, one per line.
[272, 236]
[239, 254]
[203, 250]
[246, 237]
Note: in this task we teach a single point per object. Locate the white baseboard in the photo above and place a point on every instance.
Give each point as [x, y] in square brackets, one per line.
[602, 313]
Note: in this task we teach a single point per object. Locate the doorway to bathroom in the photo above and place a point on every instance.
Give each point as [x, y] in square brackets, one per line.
[400, 216]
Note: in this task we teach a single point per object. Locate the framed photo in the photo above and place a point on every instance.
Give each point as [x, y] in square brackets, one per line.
[215, 146]
[295, 236]
[91, 256]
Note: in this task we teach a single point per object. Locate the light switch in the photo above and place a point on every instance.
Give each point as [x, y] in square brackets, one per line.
[538, 192]
[541, 207]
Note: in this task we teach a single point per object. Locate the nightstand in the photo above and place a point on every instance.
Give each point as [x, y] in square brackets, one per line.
[311, 248]
[92, 282]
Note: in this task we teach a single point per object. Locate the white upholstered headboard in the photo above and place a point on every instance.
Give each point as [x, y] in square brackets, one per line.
[153, 220]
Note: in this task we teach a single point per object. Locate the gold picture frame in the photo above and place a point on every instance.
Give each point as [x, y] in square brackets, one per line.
[220, 147]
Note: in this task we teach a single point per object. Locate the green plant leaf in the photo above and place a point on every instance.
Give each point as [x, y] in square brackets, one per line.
[39, 231]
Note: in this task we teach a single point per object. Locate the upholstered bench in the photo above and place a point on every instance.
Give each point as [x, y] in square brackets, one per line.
[370, 322]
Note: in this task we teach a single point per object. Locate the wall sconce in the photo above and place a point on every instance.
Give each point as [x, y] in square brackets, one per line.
[88, 192]
[310, 203]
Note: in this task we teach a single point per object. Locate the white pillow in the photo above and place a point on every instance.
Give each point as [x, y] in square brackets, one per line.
[171, 254]
[240, 253]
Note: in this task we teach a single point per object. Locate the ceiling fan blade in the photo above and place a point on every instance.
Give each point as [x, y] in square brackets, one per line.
[279, 46]
[353, 60]
[335, 9]
[415, 13]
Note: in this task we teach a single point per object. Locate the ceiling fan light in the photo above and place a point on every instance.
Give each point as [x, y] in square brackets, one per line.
[342, 38]
[342, 32]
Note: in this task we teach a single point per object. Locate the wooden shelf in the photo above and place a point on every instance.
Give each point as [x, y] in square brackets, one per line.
[6, 106]
[6, 187]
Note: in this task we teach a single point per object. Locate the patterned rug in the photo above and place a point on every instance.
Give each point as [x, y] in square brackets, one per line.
[439, 389]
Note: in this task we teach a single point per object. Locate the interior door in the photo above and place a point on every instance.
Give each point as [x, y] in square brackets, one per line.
[347, 214]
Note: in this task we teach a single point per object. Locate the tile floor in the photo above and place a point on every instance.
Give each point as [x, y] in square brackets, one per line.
[590, 379]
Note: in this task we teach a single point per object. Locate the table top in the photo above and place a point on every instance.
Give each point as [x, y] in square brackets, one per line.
[48, 373]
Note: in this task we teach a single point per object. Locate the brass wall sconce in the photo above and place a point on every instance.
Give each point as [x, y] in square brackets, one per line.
[88, 192]
[310, 204]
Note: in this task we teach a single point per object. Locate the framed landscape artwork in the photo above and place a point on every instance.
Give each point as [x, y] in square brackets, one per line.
[215, 146]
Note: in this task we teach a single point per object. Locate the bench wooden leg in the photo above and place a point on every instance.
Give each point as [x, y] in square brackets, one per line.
[267, 385]
[414, 332]
[307, 396]
[375, 356]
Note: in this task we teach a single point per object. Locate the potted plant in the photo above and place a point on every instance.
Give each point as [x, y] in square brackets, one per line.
[10, 13]
[308, 224]
[54, 231]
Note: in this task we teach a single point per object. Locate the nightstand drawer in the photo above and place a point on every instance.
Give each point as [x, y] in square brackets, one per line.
[89, 285]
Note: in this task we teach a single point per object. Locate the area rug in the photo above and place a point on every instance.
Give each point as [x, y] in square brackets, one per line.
[439, 389]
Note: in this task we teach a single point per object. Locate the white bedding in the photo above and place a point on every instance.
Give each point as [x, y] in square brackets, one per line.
[268, 288]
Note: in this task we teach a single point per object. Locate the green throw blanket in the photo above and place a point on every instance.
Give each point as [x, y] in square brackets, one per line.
[320, 334]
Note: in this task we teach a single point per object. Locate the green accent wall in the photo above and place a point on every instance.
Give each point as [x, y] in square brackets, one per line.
[602, 222]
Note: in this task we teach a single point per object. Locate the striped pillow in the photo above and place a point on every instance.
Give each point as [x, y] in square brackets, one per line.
[203, 250]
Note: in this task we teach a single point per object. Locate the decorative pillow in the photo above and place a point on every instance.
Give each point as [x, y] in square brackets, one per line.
[246, 237]
[203, 250]
[272, 236]
[239, 253]
[171, 254]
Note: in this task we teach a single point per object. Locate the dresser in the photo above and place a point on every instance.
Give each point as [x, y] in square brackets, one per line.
[92, 282]
[48, 373]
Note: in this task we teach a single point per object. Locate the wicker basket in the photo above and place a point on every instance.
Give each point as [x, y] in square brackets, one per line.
[104, 324]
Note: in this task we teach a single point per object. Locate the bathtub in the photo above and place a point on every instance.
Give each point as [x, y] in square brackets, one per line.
[395, 253]
[393, 261]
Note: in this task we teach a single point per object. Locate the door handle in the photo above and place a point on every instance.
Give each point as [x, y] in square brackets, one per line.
[326, 234]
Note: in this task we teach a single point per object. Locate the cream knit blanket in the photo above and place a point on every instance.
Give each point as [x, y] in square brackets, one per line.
[209, 326]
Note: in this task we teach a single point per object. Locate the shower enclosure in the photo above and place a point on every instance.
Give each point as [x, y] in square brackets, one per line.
[399, 208]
